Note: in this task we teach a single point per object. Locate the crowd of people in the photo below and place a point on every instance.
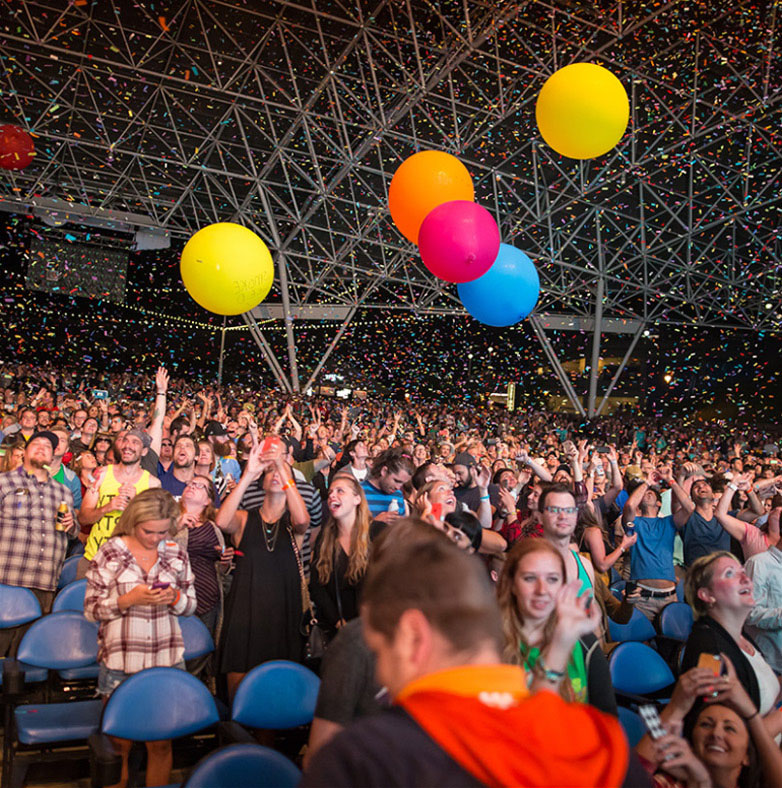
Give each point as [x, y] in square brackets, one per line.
[456, 561]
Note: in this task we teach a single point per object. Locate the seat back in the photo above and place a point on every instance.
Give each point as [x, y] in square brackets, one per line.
[198, 640]
[276, 695]
[676, 621]
[248, 765]
[71, 597]
[157, 704]
[59, 641]
[632, 725]
[637, 628]
[17, 606]
[637, 669]
[68, 573]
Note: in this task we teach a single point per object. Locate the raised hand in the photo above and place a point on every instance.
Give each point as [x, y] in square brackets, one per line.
[161, 380]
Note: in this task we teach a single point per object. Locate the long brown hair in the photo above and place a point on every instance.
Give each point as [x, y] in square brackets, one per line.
[209, 513]
[359, 538]
[512, 619]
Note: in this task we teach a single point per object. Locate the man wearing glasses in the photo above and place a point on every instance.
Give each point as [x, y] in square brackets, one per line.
[558, 514]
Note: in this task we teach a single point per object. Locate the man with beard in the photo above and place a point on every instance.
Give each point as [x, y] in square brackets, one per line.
[473, 489]
[703, 533]
[33, 540]
[391, 470]
[114, 488]
[225, 465]
[182, 469]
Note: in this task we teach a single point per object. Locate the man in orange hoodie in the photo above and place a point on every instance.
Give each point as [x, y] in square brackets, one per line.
[460, 717]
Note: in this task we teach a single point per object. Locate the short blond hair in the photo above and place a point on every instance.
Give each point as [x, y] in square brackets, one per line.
[699, 576]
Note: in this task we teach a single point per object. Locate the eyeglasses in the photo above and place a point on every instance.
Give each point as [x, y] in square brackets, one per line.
[165, 443]
[198, 486]
[563, 509]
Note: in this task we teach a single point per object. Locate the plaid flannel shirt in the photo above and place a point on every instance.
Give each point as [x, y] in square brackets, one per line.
[143, 636]
[32, 551]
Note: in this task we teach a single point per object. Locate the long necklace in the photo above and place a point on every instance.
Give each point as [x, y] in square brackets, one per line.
[270, 533]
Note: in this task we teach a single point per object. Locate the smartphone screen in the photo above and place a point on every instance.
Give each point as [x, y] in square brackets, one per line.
[159, 585]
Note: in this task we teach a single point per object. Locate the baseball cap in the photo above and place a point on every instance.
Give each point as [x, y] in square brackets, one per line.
[466, 459]
[46, 435]
[144, 437]
[215, 429]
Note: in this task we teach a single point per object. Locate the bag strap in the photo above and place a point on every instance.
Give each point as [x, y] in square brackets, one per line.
[306, 602]
[336, 589]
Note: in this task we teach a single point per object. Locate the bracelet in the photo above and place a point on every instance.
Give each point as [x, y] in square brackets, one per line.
[161, 393]
[732, 486]
[289, 483]
[751, 717]
[485, 498]
[553, 676]
[178, 597]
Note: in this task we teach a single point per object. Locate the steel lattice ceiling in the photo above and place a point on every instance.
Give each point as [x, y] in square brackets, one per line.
[291, 117]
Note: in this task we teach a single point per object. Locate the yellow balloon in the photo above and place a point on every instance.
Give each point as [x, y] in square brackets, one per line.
[227, 268]
[582, 111]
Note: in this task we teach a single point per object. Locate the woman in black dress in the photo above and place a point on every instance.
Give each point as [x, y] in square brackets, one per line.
[263, 612]
[341, 554]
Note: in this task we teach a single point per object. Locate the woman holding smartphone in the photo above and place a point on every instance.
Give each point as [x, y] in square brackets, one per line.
[720, 594]
[530, 592]
[137, 585]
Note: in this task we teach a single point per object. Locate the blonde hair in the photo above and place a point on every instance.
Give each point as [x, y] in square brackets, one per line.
[152, 504]
[359, 538]
[699, 576]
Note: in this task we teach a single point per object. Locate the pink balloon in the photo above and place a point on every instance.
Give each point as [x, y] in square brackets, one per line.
[459, 241]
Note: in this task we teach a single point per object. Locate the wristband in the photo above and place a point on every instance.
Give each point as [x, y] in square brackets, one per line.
[553, 676]
[178, 597]
[485, 498]
[288, 484]
[751, 717]
[161, 393]
[732, 486]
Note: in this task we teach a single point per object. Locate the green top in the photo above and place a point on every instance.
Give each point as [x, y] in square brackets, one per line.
[576, 669]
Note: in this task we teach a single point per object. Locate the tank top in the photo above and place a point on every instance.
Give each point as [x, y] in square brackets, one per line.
[583, 575]
[104, 528]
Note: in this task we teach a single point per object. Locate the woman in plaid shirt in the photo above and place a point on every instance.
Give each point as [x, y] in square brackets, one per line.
[137, 585]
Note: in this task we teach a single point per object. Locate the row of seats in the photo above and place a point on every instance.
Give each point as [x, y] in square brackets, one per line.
[160, 703]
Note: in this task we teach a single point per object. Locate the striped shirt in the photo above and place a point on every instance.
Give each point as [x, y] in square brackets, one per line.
[143, 636]
[31, 549]
[379, 501]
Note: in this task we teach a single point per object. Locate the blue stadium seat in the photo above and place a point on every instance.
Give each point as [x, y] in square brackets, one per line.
[638, 628]
[246, 765]
[637, 669]
[56, 642]
[20, 606]
[276, 695]
[675, 621]
[158, 704]
[198, 640]
[71, 597]
[68, 573]
[632, 724]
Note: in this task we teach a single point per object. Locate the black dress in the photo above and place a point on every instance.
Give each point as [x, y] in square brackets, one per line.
[324, 596]
[263, 612]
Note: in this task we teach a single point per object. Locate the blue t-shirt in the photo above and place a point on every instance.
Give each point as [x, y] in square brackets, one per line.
[171, 484]
[652, 555]
[703, 537]
[379, 501]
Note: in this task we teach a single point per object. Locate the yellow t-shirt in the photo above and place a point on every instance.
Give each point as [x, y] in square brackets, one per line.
[104, 528]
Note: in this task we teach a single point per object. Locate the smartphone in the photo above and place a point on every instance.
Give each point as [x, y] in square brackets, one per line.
[712, 662]
[651, 718]
[437, 511]
[160, 586]
[269, 443]
[100, 394]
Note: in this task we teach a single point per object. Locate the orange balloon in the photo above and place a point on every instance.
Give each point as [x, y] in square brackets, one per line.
[422, 182]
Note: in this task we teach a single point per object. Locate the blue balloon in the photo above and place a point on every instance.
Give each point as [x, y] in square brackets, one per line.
[506, 293]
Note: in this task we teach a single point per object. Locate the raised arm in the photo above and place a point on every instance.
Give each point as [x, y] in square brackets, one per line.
[158, 414]
[542, 473]
[735, 527]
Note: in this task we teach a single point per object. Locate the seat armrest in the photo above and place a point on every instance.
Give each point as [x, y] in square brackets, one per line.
[13, 680]
[105, 763]
[230, 732]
